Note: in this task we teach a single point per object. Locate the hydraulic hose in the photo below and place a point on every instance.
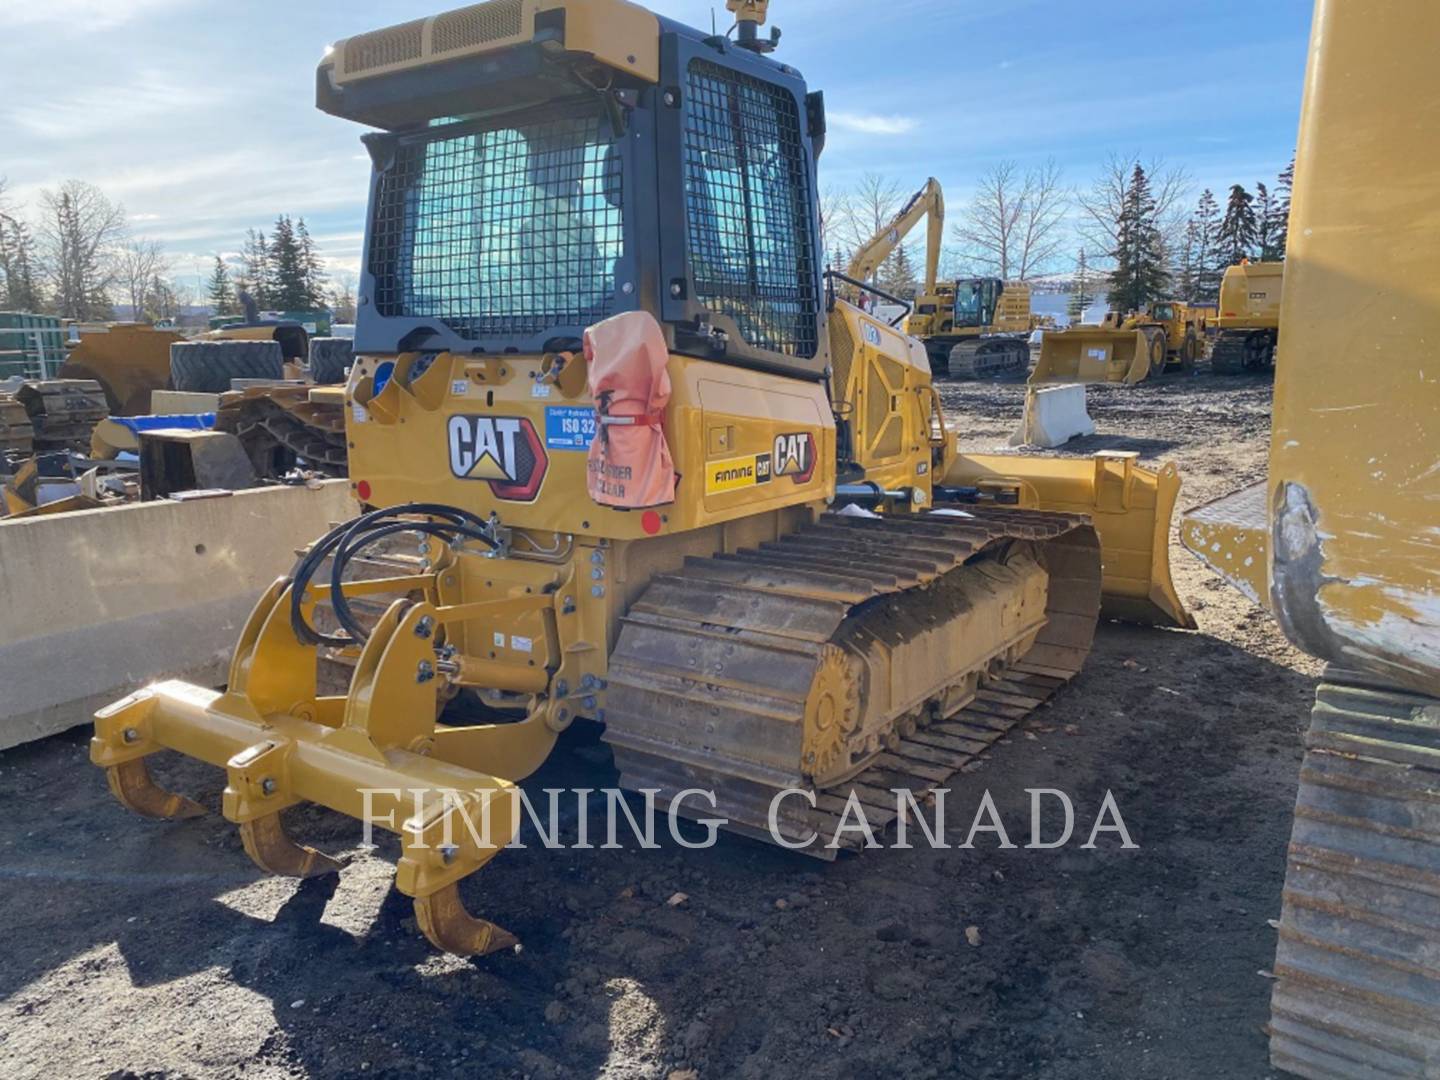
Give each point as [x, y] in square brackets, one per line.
[345, 541]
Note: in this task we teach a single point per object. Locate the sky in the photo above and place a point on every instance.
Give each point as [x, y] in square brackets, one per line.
[198, 115]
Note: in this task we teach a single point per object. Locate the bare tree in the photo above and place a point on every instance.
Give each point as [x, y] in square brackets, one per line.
[79, 235]
[1102, 206]
[870, 207]
[139, 264]
[168, 298]
[342, 297]
[834, 216]
[1012, 227]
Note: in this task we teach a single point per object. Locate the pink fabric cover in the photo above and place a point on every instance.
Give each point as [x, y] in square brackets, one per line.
[630, 464]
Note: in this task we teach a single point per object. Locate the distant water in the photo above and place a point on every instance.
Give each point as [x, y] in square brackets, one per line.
[1056, 303]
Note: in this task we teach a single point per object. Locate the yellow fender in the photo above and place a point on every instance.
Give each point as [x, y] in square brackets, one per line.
[1130, 506]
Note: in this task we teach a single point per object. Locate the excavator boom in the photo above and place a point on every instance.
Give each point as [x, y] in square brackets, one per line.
[927, 205]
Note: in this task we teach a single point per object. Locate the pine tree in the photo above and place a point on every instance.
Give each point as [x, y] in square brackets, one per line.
[219, 291]
[1236, 239]
[1140, 275]
[1280, 230]
[897, 275]
[1187, 281]
[288, 287]
[17, 266]
[1208, 270]
[254, 277]
[313, 265]
[1266, 222]
[1081, 296]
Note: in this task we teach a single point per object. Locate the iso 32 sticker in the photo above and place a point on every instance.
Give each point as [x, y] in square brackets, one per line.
[569, 428]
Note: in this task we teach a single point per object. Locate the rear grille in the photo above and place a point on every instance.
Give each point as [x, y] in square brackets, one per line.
[383, 48]
[477, 25]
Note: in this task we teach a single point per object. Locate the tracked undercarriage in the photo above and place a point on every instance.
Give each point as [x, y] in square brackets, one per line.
[856, 655]
[282, 426]
[1236, 351]
[990, 357]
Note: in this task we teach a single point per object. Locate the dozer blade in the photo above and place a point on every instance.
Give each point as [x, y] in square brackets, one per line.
[1232, 536]
[852, 658]
[1093, 354]
[1130, 507]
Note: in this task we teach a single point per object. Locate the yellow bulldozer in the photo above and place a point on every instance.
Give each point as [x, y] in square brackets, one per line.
[1249, 318]
[1124, 348]
[666, 478]
[971, 328]
[1341, 544]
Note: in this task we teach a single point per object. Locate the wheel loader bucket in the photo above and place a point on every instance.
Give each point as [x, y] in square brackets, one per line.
[1093, 354]
[1131, 508]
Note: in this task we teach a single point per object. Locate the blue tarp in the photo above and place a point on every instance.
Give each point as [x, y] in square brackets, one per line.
[183, 421]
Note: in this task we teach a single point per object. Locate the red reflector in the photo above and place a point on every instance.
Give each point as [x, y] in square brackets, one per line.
[363, 490]
[650, 522]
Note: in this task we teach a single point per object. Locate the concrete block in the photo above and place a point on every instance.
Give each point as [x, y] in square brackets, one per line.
[101, 602]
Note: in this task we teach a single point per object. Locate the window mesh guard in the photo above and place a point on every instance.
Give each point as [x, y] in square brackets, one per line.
[505, 232]
[747, 187]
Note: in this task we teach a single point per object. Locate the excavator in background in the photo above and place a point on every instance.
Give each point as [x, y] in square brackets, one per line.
[972, 328]
[927, 205]
[984, 332]
[1124, 348]
[1249, 318]
[795, 616]
[1341, 544]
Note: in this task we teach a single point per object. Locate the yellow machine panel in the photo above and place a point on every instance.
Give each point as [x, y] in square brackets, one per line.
[129, 360]
[1345, 539]
[1250, 296]
[617, 34]
[505, 434]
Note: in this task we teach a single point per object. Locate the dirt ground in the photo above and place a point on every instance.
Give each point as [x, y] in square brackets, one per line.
[140, 949]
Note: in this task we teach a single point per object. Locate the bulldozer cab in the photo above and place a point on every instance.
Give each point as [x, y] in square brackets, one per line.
[613, 162]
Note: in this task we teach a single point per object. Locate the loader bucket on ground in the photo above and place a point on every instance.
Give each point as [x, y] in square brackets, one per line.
[1131, 508]
[1093, 354]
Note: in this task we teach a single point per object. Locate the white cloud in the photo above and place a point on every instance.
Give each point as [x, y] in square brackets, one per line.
[147, 98]
[86, 15]
[874, 123]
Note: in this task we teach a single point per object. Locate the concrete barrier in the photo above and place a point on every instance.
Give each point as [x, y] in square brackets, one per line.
[1053, 416]
[96, 603]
